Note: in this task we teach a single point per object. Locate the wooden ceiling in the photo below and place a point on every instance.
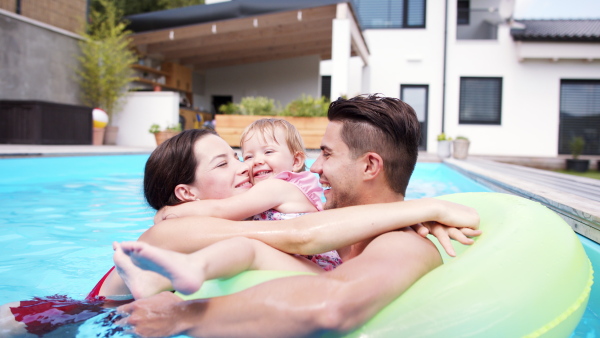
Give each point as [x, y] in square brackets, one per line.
[248, 40]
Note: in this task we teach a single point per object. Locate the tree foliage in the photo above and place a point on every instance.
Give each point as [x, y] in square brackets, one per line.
[104, 65]
[130, 7]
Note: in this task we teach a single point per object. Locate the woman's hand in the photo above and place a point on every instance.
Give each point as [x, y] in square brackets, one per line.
[445, 233]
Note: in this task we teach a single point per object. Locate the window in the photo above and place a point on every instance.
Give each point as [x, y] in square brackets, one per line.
[390, 13]
[326, 86]
[463, 12]
[579, 115]
[480, 100]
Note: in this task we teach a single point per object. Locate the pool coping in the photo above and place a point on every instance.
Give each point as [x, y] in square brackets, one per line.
[580, 212]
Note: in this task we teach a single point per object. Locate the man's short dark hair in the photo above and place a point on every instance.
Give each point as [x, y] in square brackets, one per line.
[383, 125]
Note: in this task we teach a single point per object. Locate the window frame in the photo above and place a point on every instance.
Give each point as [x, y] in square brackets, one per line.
[498, 121]
[459, 11]
[404, 19]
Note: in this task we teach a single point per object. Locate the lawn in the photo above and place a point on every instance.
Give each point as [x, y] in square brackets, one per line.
[589, 174]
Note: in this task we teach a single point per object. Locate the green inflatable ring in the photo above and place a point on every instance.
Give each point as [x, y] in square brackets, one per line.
[527, 275]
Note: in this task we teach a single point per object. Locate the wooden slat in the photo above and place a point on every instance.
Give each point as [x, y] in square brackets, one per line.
[257, 47]
[273, 53]
[251, 41]
[239, 36]
[233, 25]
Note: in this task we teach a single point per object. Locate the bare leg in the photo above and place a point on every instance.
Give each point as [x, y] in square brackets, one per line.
[227, 258]
[140, 282]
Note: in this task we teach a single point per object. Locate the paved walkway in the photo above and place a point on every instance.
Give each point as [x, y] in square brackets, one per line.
[24, 150]
[576, 199]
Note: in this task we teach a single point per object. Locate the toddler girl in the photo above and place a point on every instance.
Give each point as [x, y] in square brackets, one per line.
[273, 148]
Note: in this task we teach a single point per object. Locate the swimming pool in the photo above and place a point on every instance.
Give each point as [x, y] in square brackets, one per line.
[59, 217]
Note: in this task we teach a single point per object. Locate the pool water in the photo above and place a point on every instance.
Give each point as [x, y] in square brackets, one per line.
[59, 216]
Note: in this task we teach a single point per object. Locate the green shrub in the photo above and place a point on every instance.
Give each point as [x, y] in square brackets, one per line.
[307, 106]
[577, 144]
[251, 105]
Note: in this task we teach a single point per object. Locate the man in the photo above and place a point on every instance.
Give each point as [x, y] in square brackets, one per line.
[367, 156]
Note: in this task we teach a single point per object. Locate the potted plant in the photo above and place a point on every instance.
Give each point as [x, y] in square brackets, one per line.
[461, 147]
[104, 64]
[444, 149]
[575, 164]
[162, 135]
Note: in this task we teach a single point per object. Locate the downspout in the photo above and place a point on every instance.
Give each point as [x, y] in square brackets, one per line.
[444, 68]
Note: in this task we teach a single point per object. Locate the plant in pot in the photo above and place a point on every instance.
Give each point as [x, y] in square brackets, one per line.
[104, 63]
[461, 147]
[162, 135]
[444, 149]
[575, 164]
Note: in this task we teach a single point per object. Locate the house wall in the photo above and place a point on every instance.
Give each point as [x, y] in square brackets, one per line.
[530, 93]
[410, 56]
[37, 61]
[282, 80]
[140, 111]
[531, 87]
[355, 75]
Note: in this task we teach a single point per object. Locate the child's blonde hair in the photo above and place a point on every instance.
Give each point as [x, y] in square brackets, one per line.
[264, 126]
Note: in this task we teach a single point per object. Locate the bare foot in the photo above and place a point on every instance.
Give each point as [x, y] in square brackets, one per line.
[141, 283]
[186, 275]
[9, 326]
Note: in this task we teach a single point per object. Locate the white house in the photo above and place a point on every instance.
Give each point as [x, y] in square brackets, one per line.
[513, 87]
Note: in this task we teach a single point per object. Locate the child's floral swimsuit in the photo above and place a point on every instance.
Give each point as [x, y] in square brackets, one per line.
[309, 185]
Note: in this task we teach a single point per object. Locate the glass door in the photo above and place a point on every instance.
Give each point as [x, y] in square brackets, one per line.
[416, 96]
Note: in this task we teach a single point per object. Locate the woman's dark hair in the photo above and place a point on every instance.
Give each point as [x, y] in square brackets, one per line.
[171, 163]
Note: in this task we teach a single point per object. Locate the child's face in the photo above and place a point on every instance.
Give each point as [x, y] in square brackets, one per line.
[267, 156]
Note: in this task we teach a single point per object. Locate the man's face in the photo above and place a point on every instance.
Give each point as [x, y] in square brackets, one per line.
[339, 173]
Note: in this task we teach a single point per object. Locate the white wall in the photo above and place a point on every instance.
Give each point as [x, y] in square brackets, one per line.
[282, 80]
[531, 87]
[530, 94]
[355, 75]
[410, 56]
[140, 111]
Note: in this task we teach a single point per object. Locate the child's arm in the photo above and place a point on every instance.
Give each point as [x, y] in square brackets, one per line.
[265, 195]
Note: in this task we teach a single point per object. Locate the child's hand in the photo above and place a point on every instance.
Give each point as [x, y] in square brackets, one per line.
[164, 213]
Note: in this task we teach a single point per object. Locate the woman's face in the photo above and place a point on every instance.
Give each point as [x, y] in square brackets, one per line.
[220, 173]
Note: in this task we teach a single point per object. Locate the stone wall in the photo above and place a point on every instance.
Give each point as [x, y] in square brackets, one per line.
[37, 62]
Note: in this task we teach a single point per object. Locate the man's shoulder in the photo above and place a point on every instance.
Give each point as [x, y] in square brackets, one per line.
[396, 244]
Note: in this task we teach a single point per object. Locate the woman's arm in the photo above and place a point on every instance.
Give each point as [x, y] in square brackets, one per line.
[268, 194]
[312, 233]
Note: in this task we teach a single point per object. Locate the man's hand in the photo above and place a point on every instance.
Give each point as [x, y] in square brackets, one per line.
[156, 316]
[444, 234]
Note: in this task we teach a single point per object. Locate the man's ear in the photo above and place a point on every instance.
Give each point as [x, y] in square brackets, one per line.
[373, 165]
[299, 159]
[184, 193]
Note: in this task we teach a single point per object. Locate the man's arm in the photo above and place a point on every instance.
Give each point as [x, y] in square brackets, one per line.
[316, 232]
[340, 300]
